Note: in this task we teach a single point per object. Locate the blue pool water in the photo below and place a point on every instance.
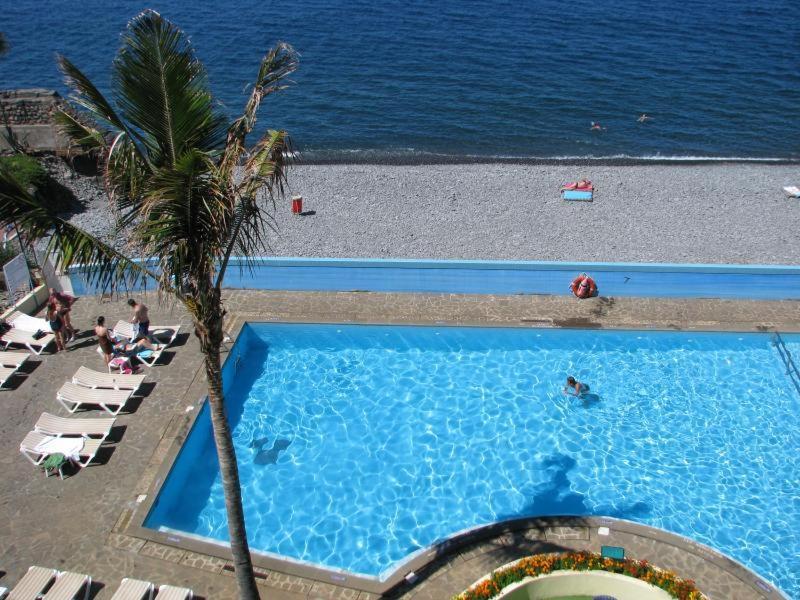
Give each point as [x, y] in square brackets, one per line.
[358, 445]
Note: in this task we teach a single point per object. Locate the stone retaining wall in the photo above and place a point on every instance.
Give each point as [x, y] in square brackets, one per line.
[29, 113]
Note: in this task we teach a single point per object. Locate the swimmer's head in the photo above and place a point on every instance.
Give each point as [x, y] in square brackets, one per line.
[571, 380]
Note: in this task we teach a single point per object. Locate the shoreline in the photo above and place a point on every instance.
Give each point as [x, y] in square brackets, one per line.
[382, 158]
[711, 213]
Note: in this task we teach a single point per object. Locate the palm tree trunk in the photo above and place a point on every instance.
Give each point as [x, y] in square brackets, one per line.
[227, 464]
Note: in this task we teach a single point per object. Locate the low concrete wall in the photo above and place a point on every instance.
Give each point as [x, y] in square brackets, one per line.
[583, 583]
[31, 303]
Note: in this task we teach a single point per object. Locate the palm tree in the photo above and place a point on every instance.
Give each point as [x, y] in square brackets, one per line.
[185, 188]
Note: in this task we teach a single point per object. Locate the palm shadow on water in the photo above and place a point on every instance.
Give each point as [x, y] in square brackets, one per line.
[555, 498]
[269, 457]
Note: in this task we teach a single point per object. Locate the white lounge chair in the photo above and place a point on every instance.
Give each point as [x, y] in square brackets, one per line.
[6, 373]
[25, 338]
[68, 586]
[792, 191]
[25, 322]
[112, 381]
[170, 592]
[13, 359]
[134, 589]
[73, 396]
[32, 584]
[37, 446]
[164, 335]
[63, 427]
[11, 362]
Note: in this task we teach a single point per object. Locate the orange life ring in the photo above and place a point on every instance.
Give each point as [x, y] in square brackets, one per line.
[583, 286]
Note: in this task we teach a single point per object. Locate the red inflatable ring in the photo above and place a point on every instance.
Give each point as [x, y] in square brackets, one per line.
[583, 286]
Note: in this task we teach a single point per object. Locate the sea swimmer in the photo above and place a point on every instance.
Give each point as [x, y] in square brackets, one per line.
[643, 118]
[583, 286]
[575, 387]
[596, 126]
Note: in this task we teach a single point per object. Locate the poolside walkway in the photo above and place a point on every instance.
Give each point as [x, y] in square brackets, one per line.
[81, 523]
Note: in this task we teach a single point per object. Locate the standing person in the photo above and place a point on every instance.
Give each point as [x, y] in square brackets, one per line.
[57, 325]
[64, 301]
[140, 318]
[104, 339]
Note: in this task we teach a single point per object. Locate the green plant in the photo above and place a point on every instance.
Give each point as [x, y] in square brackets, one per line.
[28, 171]
[31, 175]
[543, 564]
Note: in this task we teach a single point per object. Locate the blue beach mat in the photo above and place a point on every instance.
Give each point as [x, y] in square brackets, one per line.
[576, 195]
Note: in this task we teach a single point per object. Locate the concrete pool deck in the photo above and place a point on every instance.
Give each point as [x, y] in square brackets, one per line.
[82, 523]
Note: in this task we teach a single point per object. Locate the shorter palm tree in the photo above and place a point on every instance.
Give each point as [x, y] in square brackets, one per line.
[184, 186]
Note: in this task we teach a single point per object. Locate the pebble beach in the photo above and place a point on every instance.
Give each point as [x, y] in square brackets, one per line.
[733, 213]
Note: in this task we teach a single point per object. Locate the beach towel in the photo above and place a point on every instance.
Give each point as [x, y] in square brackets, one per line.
[68, 446]
[576, 195]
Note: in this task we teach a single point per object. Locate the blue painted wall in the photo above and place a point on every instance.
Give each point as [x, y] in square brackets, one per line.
[503, 277]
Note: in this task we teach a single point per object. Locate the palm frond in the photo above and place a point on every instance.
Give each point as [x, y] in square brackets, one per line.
[88, 97]
[162, 91]
[78, 133]
[125, 178]
[70, 245]
[280, 62]
[264, 170]
[183, 218]
[267, 165]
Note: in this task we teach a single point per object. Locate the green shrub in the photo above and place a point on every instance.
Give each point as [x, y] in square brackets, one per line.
[26, 169]
[33, 176]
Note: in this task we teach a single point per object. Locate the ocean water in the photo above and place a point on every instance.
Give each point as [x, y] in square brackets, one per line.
[398, 80]
[359, 445]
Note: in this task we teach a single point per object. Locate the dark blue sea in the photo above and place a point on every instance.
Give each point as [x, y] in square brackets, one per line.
[400, 80]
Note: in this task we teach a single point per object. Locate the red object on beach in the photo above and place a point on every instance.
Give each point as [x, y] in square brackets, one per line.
[297, 205]
[584, 185]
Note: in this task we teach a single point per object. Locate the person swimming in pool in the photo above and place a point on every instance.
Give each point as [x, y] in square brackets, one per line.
[575, 387]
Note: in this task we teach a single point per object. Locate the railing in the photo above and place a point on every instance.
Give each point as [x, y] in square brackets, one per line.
[791, 367]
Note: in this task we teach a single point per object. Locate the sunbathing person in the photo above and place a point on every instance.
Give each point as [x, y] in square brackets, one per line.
[133, 348]
[581, 185]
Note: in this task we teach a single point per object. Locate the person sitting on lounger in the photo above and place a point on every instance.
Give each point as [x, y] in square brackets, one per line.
[575, 387]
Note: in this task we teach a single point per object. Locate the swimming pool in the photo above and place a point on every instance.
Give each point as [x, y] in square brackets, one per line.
[358, 445]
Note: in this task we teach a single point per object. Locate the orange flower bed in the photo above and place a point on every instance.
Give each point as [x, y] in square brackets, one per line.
[542, 564]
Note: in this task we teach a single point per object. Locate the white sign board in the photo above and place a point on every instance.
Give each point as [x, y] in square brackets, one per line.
[18, 280]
